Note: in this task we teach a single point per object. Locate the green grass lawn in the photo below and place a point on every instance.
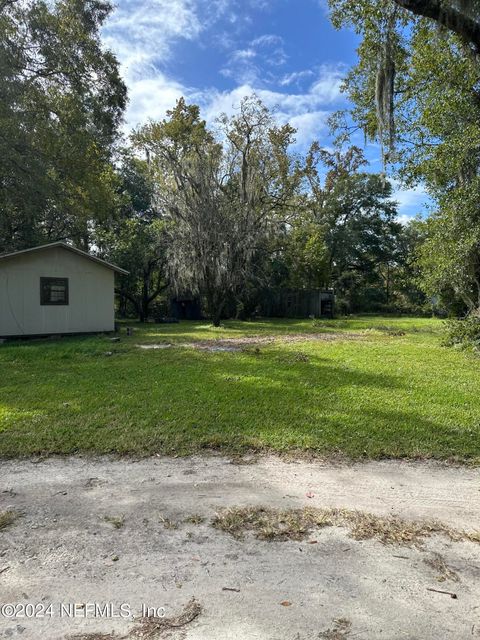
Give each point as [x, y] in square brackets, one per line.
[375, 394]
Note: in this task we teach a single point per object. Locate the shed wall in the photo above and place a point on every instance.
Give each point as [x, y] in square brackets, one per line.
[91, 294]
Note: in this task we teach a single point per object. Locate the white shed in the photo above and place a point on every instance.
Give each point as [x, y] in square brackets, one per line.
[55, 288]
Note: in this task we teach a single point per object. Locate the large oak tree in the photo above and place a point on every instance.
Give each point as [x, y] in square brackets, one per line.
[416, 90]
[61, 102]
[220, 196]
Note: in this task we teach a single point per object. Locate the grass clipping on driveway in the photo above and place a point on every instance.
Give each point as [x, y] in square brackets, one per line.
[298, 524]
[7, 518]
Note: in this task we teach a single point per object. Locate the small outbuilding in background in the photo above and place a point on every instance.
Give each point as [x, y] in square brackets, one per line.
[186, 307]
[299, 303]
[56, 289]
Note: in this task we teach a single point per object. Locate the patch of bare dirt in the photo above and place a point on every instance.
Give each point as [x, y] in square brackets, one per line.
[242, 343]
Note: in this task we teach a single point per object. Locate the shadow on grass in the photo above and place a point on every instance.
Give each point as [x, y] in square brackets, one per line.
[180, 401]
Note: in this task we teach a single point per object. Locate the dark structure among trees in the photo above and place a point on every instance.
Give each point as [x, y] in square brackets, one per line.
[298, 303]
[185, 308]
[275, 303]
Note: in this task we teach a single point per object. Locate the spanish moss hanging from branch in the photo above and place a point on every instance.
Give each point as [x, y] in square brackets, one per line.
[384, 93]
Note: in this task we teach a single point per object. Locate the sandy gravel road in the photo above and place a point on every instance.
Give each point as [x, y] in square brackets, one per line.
[104, 537]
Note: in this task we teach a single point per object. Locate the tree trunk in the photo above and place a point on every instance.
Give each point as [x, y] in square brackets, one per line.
[122, 306]
[216, 311]
[144, 308]
[388, 283]
[217, 316]
[135, 301]
[144, 302]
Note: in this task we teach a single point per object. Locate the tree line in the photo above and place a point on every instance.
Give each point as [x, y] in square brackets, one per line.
[230, 212]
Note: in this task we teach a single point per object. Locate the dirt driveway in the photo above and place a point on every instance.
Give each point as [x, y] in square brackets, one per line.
[97, 538]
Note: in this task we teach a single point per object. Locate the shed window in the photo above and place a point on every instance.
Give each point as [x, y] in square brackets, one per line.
[53, 290]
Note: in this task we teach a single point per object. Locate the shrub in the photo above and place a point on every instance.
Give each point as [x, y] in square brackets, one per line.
[159, 309]
[464, 333]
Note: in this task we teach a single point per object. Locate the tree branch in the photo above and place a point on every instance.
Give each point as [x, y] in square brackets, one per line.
[447, 16]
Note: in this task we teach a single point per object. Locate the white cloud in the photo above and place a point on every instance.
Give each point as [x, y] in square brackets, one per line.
[248, 64]
[329, 83]
[404, 218]
[151, 97]
[307, 111]
[411, 201]
[141, 33]
[295, 77]
[309, 126]
[244, 54]
[268, 39]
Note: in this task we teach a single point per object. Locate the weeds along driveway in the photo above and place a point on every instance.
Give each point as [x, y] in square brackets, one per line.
[292, 555]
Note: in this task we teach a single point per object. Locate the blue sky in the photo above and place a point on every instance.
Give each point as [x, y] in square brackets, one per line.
[214, 52]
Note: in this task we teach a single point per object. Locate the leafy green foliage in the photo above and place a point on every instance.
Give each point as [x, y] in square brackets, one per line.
[463, 333]
[306, 254]
[355, 217]
[61, 104]
[136, 239]
[436, 105]
[450, 254]
[222, 199]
